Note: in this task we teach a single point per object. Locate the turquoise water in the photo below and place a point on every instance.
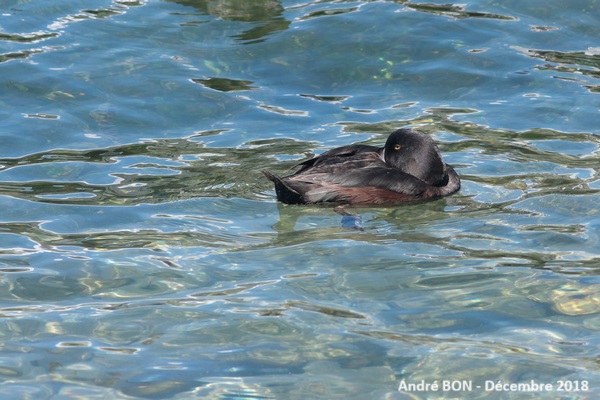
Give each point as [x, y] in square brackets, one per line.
[143, 255]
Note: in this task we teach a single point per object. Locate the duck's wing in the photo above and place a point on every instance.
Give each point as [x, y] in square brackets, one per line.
[375, 183]
[320, 173]
[381, 177]
[338, 155]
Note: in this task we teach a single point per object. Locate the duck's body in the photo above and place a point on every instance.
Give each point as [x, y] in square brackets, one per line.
[408, 168]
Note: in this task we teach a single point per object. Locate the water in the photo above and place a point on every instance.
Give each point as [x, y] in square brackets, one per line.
[143, 255]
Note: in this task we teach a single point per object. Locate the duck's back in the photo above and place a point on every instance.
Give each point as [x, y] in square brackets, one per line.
[340, 157]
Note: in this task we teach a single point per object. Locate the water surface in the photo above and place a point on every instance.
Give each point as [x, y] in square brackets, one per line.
[143, 255]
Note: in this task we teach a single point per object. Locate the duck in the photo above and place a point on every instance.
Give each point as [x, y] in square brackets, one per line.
[408, 168]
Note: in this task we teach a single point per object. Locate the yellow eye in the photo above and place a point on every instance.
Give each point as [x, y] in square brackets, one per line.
[397, 147]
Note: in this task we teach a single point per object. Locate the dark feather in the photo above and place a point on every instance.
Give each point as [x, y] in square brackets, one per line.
[337, 155]
[408, 168]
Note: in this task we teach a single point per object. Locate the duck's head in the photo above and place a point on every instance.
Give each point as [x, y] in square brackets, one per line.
[415, 153]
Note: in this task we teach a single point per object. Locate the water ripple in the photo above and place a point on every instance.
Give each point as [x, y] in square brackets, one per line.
[143, 254]
[453, 11]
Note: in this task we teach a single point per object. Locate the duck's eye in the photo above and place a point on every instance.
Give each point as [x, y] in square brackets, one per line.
[397, 147]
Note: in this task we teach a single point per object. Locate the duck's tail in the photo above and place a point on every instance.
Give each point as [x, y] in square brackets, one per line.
[285, 194]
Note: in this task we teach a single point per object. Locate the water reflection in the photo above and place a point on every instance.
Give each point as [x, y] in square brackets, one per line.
[268, 12]
[142, 254]
[224, 84]
[159, 171]
[452, 10]
[574, 64]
